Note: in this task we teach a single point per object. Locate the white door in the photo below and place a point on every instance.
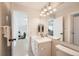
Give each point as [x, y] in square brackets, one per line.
[19, 24]
[58, 28]
[76, 30]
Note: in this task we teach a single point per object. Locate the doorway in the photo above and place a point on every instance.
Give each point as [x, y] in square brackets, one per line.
[19, 33]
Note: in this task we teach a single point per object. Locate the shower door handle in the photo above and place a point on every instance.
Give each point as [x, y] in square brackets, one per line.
[12, 39]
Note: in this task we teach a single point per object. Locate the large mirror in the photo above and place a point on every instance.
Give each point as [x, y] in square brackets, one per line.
[50, 27]
[55, 28]
[63, 22]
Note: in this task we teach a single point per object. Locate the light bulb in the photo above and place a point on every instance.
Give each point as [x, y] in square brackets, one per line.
[42, 12]
[51, 12]
[54, 9]
[47, 13]
[49, 7]
[45, 9]
[41, 15]
[44, 15]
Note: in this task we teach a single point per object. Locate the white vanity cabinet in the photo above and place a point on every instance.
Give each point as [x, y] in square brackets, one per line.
[44, 49]
[41, 47]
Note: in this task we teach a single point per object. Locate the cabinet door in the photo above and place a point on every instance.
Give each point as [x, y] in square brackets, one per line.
[44, 49]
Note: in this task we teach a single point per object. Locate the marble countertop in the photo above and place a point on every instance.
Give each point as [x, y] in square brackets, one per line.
[41, 39]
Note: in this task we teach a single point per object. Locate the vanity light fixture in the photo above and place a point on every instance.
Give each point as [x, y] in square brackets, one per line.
[49, 9]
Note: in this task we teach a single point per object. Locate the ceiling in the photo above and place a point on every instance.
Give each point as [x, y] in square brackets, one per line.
[34, 8]
[33, 5]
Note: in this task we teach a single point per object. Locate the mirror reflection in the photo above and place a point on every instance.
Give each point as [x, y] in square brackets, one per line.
[63, 24]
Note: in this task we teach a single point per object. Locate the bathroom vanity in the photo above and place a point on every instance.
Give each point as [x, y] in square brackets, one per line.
[41, 46]
[52, 46]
